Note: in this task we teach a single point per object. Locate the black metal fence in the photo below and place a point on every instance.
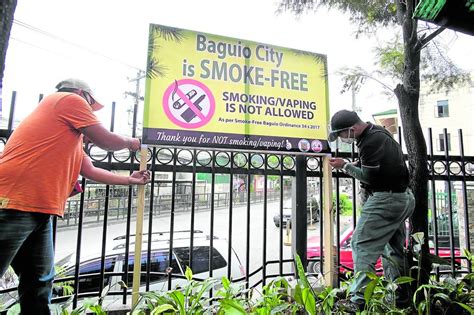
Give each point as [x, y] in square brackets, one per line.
[230, 211]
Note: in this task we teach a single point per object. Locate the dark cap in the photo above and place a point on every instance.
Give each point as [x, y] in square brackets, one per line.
[340, 121]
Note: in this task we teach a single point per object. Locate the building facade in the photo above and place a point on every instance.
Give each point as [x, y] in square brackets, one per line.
[452, 111]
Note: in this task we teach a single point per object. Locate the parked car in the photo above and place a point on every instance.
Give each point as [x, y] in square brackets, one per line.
[312, 211]
[114, 263]
[345, 254]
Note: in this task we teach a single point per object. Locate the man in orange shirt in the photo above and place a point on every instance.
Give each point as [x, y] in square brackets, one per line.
[38, 169]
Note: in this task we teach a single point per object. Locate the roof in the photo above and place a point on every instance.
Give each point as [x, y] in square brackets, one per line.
[457, 15]
[387, 112]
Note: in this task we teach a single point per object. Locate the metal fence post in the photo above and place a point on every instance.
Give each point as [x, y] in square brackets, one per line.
[299, 229]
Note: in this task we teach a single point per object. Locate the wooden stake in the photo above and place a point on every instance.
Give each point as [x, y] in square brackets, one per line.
[328, 253]
[139, 229]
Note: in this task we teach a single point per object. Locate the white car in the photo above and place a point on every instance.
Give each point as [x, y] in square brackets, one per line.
[114, 264]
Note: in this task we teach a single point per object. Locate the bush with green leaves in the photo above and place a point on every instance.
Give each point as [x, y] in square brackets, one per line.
[345, 204]
[448, 295]
[302, 296]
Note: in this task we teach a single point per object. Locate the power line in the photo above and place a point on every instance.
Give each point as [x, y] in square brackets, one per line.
[65, 41]
[39, 47]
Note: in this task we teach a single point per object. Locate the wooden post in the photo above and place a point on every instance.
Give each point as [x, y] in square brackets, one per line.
[328, 253]
[139, 230]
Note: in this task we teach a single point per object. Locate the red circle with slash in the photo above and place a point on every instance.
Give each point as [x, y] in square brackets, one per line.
[189, 103]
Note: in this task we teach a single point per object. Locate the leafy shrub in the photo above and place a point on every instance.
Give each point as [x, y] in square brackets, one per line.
[345, 204]
[450, 296]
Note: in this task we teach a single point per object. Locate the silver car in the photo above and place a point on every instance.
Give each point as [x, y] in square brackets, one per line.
[161, 267]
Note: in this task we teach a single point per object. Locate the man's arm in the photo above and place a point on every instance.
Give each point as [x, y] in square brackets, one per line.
[108, 140]
[365, 173]
[359, 173]
[88, 170]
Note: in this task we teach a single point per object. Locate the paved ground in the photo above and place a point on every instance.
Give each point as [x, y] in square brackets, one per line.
[92, 234]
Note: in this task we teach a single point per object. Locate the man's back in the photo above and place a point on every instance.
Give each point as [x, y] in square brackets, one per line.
[378, 149]
[42, 159]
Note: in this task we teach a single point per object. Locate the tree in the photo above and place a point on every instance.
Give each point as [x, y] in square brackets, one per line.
[7, 9]
[401, 60]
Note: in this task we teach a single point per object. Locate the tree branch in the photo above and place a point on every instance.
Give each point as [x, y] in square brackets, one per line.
[380, 82]
[351, 77]
[425, 40]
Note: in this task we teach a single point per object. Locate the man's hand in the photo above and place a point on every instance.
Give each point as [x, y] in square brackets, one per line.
[134, 144]
[337, 163]
[139, 178]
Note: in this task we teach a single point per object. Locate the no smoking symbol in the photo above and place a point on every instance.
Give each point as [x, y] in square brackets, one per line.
[189, 103]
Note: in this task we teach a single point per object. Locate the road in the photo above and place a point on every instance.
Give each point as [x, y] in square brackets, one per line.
[92, 234]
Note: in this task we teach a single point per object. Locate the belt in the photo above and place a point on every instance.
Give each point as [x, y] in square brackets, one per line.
[393, 190]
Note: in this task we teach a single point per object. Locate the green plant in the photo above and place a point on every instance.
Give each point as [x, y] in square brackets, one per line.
[62, 287]
[191, 299]
[327, 297]
[380, 294]
[451, 296]
[275, 298]
[303, 292]
[345, 204]
[89, 306]
[231, 298]
[447, 296]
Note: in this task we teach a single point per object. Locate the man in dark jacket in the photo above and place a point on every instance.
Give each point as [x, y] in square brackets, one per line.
[381, 226]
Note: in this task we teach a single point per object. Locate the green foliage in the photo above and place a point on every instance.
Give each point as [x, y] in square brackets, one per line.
[345, 204]
[154, 68]
[450, 296]
[440, 71]
[446, 296]
[367, 15]
[391, 58]
[380, 294]
[188, 300]
[304, 292]
[66, 287]
[355, 78]
[89, 306]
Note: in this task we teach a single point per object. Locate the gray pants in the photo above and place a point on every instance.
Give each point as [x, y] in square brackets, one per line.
[380, 229]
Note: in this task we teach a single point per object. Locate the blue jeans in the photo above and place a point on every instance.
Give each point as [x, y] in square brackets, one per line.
[380, 230]
[26, 243]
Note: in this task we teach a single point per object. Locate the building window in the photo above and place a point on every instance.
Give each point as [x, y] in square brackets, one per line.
[441, 144]
[442, 109]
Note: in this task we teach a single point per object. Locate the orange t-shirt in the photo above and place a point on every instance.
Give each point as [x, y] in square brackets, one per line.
[42, 159]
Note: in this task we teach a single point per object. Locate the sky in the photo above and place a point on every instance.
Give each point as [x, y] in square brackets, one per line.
[104, 42]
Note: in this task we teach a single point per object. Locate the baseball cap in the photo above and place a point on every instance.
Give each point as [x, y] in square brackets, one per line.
[80, 85]
[343, 119]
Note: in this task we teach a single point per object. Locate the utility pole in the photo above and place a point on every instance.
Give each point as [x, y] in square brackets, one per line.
[355, 108]
[137, 98]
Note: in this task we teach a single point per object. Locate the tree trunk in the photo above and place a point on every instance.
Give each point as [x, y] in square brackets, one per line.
[7, 10]
[408, 94]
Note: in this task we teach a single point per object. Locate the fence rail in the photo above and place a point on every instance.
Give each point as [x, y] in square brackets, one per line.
[94, 209]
